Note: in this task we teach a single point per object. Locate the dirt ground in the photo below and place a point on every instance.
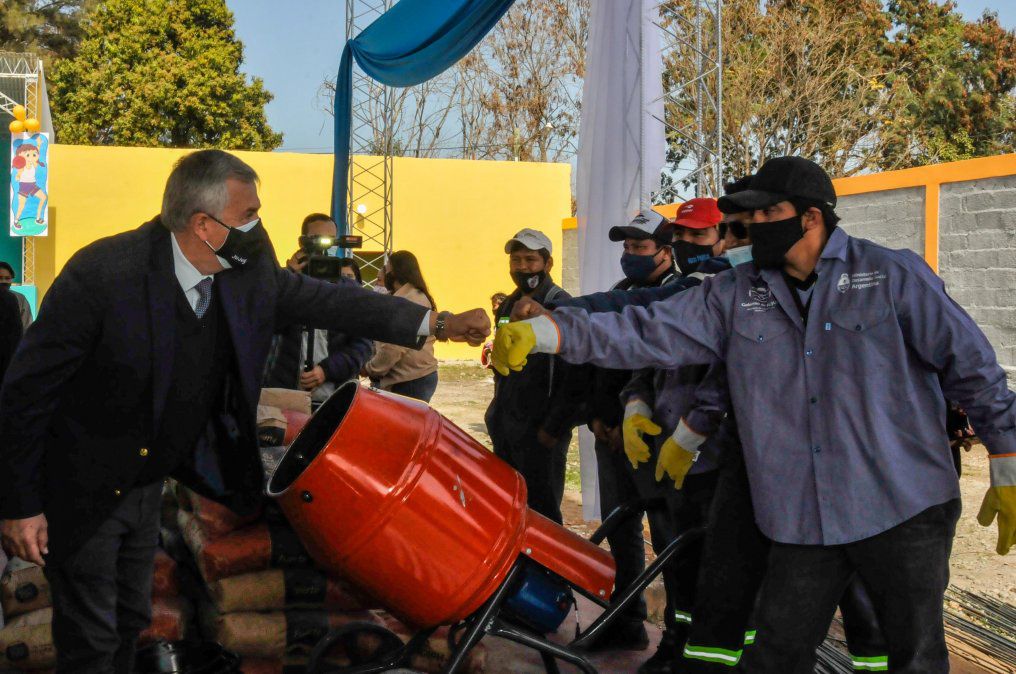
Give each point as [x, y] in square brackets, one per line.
[465, 389]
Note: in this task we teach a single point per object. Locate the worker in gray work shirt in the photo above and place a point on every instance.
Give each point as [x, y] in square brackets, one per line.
[840, 354]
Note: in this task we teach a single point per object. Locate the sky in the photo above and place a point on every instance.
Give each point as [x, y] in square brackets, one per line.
[295, 46]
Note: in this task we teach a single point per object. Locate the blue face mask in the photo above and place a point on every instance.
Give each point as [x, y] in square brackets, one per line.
[638, 268]
[738, 256]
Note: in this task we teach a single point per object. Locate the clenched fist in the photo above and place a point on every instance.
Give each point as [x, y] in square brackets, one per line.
[525, 308]
[471, 326]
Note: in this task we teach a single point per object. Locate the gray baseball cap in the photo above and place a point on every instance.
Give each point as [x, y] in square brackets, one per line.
[530, 238]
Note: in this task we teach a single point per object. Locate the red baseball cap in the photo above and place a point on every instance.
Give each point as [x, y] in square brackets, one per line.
[698, 213]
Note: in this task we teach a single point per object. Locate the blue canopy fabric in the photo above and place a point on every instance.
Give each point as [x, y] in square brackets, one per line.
[410, 43]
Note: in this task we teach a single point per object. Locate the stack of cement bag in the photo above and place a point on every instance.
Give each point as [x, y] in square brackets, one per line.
[26, 641]
[260, 595]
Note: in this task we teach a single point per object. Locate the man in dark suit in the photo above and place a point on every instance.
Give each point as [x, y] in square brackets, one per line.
[10, 327]
[145, 361]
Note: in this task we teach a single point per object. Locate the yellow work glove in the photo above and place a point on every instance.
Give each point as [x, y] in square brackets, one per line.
[513, 342]
[637, 423]
[1000, 501]
[678, 453]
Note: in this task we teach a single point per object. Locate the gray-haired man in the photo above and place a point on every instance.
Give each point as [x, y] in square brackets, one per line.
[145, 361]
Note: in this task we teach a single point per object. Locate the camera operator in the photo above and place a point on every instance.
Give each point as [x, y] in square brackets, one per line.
[336, 357]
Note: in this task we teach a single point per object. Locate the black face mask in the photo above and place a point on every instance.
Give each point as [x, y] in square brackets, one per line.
[690, 255]
[241, 246]
[770, 241]
[526, 281]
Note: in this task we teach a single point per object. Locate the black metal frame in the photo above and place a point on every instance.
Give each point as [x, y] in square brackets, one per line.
[488, 619]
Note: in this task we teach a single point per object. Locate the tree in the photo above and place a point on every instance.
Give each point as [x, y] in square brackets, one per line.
[532, 64]
[160, 73]
[49, 28]
[959, 78]
[515, 96]
[799, 78]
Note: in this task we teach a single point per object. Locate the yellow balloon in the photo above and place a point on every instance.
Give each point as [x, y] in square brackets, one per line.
[32, 125]
[17, 126]
[19, 112]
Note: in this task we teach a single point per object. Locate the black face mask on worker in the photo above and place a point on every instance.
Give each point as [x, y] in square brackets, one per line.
[770, 241]
[690, 255]
[242, 243]
[527, 281]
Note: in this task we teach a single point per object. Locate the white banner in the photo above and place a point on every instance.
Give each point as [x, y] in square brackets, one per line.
[622, 150]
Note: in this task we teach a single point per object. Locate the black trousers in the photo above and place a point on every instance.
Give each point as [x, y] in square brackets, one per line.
[627, 544]
[421, 389]
[734, 563]
[906, 571]
[102, 594]
[689, 509]
[542, 468]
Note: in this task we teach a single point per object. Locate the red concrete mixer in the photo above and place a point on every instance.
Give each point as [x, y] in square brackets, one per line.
[387, 493]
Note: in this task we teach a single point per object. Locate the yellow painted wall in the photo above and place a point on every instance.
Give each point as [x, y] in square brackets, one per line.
[455, 215]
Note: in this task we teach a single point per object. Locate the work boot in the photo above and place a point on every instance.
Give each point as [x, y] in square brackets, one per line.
[666, 660]
[629, 636]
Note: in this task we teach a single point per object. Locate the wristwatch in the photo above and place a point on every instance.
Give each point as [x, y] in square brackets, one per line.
[439, 325]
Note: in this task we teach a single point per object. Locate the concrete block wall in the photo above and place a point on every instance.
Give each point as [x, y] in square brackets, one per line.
[977, 258]
[893, 218]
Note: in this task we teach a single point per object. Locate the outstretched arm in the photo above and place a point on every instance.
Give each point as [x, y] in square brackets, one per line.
[688, 328]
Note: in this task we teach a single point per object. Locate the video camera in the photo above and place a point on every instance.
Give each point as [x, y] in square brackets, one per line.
[321, 251]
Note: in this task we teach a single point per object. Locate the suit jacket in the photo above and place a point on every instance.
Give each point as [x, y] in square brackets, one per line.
[103, 340]
[10, 327]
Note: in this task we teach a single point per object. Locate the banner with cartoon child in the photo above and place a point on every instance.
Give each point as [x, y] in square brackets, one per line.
[29, 184]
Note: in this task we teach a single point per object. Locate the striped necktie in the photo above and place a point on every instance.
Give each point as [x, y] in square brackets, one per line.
[204, 288]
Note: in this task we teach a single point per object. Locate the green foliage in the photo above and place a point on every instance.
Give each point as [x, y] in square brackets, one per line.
[859, 86]
[49, 28]
[959, 77]
[160, 73]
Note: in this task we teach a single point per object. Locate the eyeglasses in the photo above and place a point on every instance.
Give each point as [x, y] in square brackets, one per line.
[736, 227]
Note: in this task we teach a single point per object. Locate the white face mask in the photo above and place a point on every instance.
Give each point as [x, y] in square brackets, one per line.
[738, 256]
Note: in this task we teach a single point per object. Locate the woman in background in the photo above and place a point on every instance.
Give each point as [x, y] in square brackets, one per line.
[408, 372]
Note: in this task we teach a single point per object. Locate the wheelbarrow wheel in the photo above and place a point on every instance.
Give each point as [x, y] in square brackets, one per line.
[387, 656]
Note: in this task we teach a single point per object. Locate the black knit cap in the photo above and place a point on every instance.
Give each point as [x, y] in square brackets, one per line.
[782, 179]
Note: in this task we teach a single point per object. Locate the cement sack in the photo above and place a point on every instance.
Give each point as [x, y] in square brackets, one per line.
[23, 590]
[271, 424]
[297, 665]
[214, 518]
[295, 421]
[435, 653]
[286, 399]
[165, 582]
[172, 620]
[26, 642]
[275, 590]
[279, 635]
[259, 547]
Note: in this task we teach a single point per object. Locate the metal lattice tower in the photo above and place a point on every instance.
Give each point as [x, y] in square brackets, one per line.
[20, 78]
[692, 45]
[369, 211]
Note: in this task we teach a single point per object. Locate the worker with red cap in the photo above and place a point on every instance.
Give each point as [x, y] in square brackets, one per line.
[696, 234]
[656, 401]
